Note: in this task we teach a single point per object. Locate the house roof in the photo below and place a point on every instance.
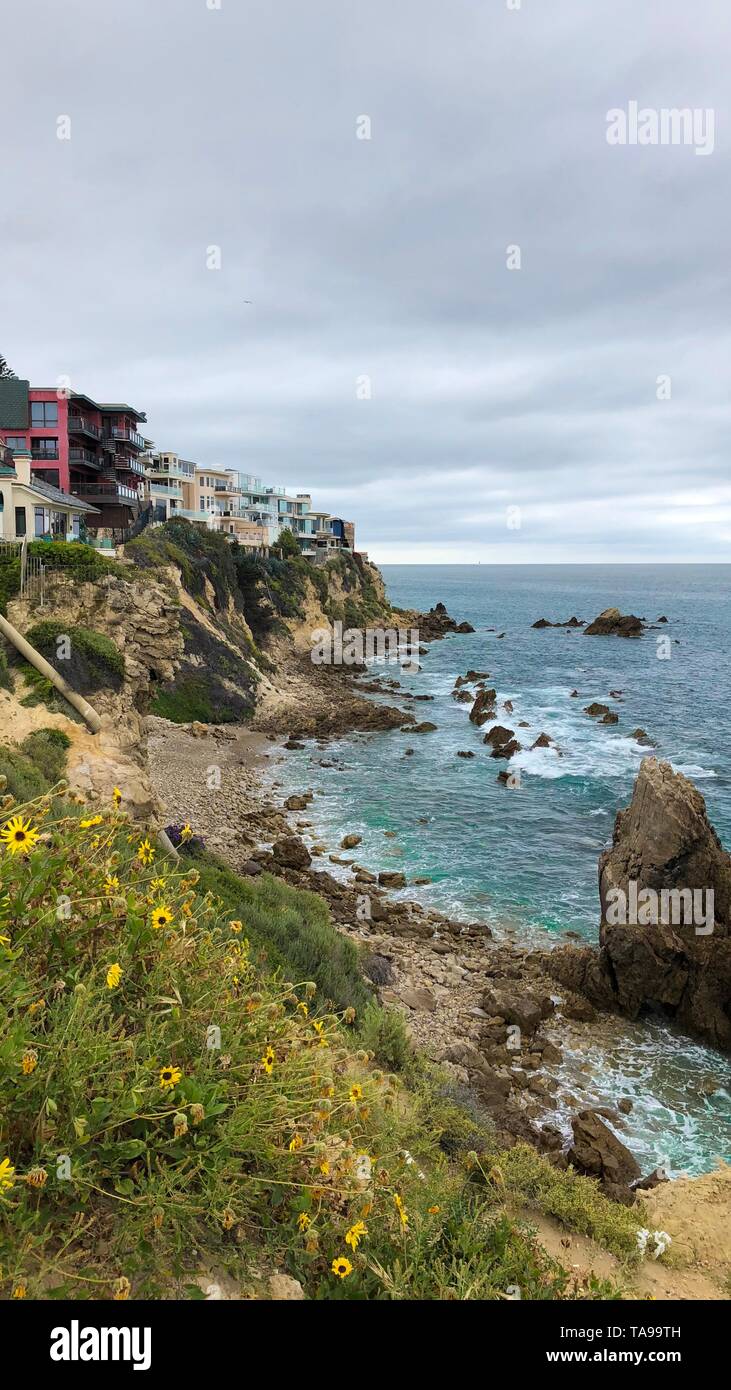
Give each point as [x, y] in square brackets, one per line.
[14, 403]
[54, 494]
[118, 406]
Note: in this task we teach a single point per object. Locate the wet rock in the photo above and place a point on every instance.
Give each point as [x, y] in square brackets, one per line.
[465, 754]
[387, 879]
[350, 841]
[291, 853]
[526, 1009]
[595, 709]
[424, 728]
[483, 707]
[543, 741]
[502, 742]
[298, 803]
[612, 623]
[640, 736]
[609, 718]
[597, 1152]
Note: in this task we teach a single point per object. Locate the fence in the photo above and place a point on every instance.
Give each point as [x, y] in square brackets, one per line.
[31, 569]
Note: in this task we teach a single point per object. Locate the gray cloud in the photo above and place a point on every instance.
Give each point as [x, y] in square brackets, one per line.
[387, 258]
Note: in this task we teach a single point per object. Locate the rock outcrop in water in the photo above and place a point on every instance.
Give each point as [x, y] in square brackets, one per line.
[668, 949]
[612, 623]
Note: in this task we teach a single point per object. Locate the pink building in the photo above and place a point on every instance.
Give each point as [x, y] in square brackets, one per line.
[84, 447]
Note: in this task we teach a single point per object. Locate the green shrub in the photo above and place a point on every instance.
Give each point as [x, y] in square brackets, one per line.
[94, 661]
[573, 1199]
[383, 1032]
[293, 928]
[39, 763]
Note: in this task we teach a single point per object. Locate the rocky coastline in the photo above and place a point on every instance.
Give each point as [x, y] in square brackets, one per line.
[494, 1015]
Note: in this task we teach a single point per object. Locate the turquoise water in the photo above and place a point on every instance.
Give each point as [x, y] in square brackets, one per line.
[526, 860]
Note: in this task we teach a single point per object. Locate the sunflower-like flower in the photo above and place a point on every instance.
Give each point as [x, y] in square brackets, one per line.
[295, 1143]
[111, 885]
[87, 824]
[18, 835]
[355, 1093]
[186, 832]
[401, 1209]
[268, 1061]
[157, 885]
[169, 1077]
[303, 1221]
[342, 1267]
[145, 852]
[117, 796]
[114, 975]
[30, 1061]
[161, 915]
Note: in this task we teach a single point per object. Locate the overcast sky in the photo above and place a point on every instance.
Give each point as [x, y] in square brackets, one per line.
[386, 258]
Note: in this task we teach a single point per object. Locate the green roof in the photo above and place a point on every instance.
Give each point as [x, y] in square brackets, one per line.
[14, 403]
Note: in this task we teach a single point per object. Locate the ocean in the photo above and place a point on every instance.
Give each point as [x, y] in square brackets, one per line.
[525, 860]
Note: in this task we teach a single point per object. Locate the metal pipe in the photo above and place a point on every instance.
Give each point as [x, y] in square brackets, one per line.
[45, 669]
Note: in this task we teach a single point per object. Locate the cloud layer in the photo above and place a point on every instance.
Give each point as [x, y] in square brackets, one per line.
[487, 389]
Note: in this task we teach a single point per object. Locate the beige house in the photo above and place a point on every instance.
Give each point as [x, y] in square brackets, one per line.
[33, 508]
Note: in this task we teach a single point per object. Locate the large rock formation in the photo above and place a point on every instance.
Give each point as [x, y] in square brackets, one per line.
[612, 623]
[597, 1152]
[665, 891]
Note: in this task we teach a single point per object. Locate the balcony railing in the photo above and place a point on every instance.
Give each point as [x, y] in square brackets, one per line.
[39, 455]
[105, 492]
[127, 436]
[84, 457]
[134, 465]
[166, 489]
[78, 425]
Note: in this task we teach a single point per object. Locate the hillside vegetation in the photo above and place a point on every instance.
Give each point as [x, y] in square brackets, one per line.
[184, 1090]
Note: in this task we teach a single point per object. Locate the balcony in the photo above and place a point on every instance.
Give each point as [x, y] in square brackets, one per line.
[165, 489]
[101, 493]
[133, 465]
[84, 458]
[78, 425]
[40, 455]
[126, 436]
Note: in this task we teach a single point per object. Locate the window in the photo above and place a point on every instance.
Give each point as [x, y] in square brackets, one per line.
[20, 521]
[43, 414]
[44, 448]
[17, 441]
[42, 523]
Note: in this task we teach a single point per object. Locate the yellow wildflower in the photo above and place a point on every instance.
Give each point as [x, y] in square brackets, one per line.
[401, 1209]
[161, 915]
[111, 885]
[303, 1221]
[356, 1092]
[6, 1175]
[268, 1060]
[355, 1235]
[116, 796]
[114, 975]
[145, 852]
[186, 833]
[30, 1061]
[37, 1177]
[36, 1007]
[342, 1267]
[228, 1219]
[87, 824]
[20, 1291]
[295, 1143]
[157, 885]
[236, 926]
[121, 1289]
[169, 1077]
[19, 835]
